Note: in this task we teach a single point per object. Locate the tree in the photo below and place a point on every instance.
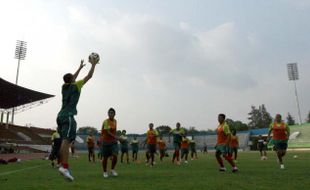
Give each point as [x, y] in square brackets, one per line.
[259, 118]
[87, 129]
[308, 118]
[192, 131]
[289, 119]
[163, 129]
[237, 125]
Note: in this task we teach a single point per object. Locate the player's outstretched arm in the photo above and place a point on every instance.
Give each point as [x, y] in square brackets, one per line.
[79, 69]
[90, 73]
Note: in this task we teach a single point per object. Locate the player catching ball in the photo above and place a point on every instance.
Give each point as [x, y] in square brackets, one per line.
[66, 124]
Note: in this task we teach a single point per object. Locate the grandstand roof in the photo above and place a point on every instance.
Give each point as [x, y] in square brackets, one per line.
[262, 131]
[12, 95]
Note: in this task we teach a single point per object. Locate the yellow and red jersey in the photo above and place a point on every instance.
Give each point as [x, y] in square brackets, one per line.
[151, 137]
[90, 141]
[161, 145]
[280, 131]
[185, 143]
[234, 142]
[108, 125]
[222, 133]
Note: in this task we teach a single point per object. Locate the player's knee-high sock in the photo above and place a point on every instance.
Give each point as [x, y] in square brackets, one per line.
[114, 161]
[220, 161]
[178, 155]
[105, 163]
[236, 154]
[174, 155]
[152, 158]
[229, 160]
[147, 157]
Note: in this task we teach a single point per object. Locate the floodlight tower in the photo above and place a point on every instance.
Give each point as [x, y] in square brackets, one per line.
[293, 75]
[20, 54]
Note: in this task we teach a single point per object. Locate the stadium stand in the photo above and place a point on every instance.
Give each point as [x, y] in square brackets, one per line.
[300, 136]
[25, 138]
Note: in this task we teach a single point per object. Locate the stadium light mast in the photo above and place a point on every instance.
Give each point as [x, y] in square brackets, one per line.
[20, 54]
[293, 75]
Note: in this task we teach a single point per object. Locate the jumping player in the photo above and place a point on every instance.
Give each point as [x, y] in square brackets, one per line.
[71, 90]
[281, 133]
[177, 133]
[223, 139]
[109, 143]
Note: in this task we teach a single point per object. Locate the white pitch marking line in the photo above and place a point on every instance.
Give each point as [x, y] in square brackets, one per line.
[20, 170]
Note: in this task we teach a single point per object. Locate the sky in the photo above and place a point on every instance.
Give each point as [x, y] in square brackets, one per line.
[161, 61]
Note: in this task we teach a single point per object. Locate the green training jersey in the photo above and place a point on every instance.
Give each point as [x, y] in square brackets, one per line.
[124, 142]
[192, 144]
[134, 144]
[70, 98]
[177, 135]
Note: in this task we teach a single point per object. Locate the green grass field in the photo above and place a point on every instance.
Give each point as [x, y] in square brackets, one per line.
[198, 174]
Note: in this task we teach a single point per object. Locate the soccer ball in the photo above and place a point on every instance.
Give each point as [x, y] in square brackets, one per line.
[94, 58]
[295, 156]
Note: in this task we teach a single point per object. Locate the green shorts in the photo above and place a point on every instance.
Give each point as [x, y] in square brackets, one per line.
[109, 148]
[66, 127]
[280, 144]
[222, 149]
[232, 149]
[193, 150]
[184, 151]
[124, 149]
[177, 145]
[162, 152]
[151, 148]
[135, 150]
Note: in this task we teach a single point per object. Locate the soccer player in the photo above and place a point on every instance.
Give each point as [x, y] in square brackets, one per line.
[162, 148]
[135, 148]
[151, 141]
[71, 90]
[192, 145]
[234, 145]
[99, 145]
[56, 143]
[262, 146]
[124, 146]
[177, 133]
[184, 149]
[205, 148]
[109, 143]
[223, 139]
[281, 133]
[90, 140]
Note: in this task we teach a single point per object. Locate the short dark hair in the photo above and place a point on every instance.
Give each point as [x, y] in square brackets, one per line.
[111, 110]
[222, 115]
[68, 78]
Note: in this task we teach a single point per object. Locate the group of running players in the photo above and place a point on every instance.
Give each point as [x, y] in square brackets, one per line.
[227, 141]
